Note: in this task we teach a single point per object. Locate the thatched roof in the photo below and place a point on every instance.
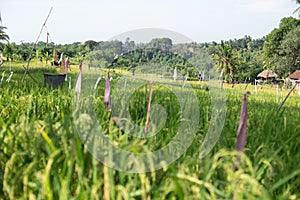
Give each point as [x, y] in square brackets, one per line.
[267, 73]
[295, 75]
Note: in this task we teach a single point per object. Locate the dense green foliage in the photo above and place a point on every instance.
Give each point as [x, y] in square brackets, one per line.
[289, 57]
[130, 60]
[279, 53]
[273, 40]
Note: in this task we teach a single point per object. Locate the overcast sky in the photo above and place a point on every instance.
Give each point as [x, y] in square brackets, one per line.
[201, 20]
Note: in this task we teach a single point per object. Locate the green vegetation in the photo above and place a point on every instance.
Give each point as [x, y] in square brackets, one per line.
[42, 156]
[279, 51]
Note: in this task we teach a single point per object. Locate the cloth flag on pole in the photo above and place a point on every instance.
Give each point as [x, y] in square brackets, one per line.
[9, 78]
[61, 57]
[242, 129]
[62, 63]
[47, 39]
[97, 82]
[185, 80]
[221, 78]
[3, 73]
[107, 100]
[1, 60]
[79, 80]
[241, 135]
[175, 74]
[70, 86]
[147, 128]
[67, 67]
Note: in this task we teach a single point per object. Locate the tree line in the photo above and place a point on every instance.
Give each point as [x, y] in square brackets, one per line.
[237, 59]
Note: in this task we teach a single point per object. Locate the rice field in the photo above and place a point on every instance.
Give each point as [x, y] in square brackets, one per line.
[42, 155]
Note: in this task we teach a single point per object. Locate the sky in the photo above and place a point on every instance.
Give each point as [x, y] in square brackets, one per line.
[200, 20]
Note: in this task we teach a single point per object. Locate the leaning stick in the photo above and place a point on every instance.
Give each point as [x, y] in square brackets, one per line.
[34, 46]
[287, 96]
[31, 77]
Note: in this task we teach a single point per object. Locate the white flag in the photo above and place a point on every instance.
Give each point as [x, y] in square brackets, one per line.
[97, 82]
[1, 60]
[3, 73]
[175, 74]
[70, 86]
[9, 78]
[67, 68]
[79, 79]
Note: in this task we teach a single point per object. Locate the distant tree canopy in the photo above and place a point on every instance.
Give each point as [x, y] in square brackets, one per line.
[192, 58]
[239, 59]
[158, 58]
[161, 43]
[279, 51]
[288, 59]
[187, 58]
[274, 39]
[90, 45]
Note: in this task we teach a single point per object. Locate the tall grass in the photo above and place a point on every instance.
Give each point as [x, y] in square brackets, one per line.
[42, 156]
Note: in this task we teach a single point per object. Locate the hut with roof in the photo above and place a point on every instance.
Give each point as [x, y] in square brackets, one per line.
[267, 74]
[295, 76]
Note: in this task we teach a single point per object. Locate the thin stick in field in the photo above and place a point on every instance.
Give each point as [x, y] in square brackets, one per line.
[287, 96]
[34, 46]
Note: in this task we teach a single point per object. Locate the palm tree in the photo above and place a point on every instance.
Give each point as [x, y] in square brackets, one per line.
[298, 9]
[226, 59]
[3, 35]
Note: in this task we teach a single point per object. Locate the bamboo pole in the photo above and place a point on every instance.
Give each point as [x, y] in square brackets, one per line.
[34, 46]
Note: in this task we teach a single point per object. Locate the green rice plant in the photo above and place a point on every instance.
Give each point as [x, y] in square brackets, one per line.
[42, 156]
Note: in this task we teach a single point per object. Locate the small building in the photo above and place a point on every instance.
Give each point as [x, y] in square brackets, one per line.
[295, 75]
[267, 74]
